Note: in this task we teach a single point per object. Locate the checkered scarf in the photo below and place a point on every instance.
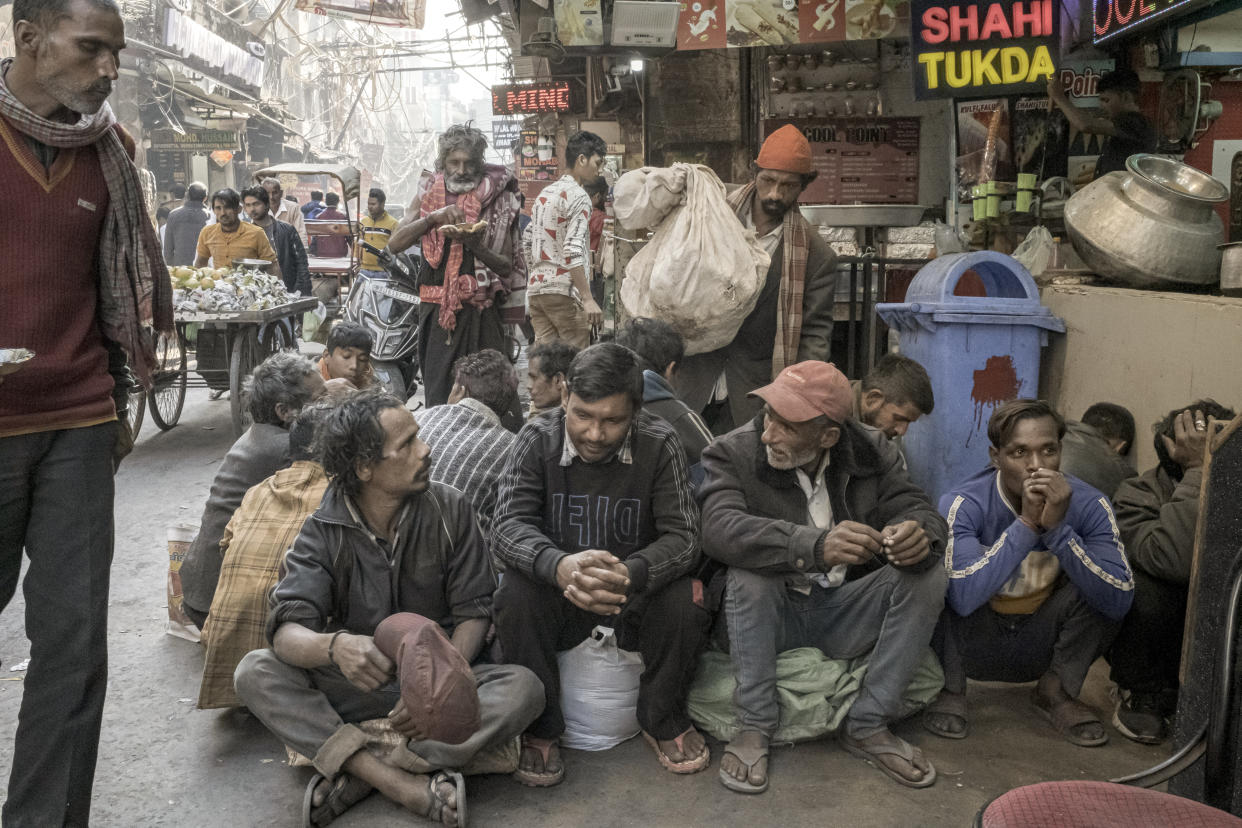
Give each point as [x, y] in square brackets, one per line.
[793, 279]
[134, 290]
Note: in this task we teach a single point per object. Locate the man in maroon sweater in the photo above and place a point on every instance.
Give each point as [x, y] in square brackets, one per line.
[80, 304]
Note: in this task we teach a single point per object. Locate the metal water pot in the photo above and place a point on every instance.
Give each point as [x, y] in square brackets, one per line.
[1152, 226]
[1231, 269]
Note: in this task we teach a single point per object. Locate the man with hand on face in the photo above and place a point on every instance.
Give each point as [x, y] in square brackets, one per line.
[1158, 513]
[466, 273]
[595, 525]
[792, 319]
[829, 545]
[385, 540]
[230, 238]
[1038, 578]
[283, 237]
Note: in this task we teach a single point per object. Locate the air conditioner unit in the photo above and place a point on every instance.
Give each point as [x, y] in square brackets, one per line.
[644, 23]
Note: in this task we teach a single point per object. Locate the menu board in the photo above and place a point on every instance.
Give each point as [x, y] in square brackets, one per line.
[168, 167]
[859, 160]
[537, 160]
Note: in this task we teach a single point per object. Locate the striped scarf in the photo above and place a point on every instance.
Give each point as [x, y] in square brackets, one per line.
[134, 290]
[796, 247]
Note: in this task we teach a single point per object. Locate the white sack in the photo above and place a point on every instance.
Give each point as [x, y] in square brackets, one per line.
[702, 271]
[643, 197]
[599, 692]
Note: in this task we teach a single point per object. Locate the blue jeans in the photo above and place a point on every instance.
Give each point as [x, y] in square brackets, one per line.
[890, 613]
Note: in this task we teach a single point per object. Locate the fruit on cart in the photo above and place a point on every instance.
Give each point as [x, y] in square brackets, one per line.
[226, 290]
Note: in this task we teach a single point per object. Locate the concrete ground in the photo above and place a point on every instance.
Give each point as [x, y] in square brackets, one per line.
[163, 763]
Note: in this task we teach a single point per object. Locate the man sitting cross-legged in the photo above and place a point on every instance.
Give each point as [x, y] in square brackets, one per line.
[596, 525]
[828, 544]
[385, 540]
[1038, 579]
[468, 442]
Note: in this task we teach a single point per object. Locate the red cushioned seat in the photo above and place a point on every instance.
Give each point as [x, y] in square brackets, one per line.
[1098, 805]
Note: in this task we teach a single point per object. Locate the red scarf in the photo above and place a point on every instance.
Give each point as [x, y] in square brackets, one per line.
[457, 286]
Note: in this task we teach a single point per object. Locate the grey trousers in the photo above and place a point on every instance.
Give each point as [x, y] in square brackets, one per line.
[697, 375]
[56, 492]
[315, 711]
[890, 613]
[1064, 635]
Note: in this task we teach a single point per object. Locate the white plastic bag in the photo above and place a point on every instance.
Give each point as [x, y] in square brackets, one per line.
[599, 692]
[702, 271]
[1036, 251]
[948, 240]
[643, 197]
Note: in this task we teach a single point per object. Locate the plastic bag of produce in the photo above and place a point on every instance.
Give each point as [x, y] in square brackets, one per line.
[702, 271]
[642, 198]
[599, 692]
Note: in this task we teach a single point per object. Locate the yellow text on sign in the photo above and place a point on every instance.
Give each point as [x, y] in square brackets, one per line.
[977, 67]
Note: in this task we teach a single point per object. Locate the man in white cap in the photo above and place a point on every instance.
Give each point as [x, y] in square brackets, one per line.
[828, 544]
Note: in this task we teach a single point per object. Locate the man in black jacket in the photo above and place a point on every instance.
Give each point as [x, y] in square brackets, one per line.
[828, 544]
[595, 525]
[385, 540]
[284, 238]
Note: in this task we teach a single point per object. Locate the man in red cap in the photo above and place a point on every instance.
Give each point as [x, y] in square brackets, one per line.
[829, 545]
[792, 319]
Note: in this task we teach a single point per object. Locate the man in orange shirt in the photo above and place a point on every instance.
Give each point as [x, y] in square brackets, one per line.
[230, 238]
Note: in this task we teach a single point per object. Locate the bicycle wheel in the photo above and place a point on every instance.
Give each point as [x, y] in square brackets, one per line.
[167, 396]
[245, 356]
[137, 405]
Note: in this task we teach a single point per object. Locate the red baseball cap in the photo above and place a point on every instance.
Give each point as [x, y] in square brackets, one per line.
[808, 389]
[437, 684]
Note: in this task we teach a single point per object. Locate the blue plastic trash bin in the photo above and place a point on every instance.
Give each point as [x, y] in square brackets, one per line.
[980, 351]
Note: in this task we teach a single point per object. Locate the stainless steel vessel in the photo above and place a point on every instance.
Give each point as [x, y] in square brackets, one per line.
[1231, 269]
[1152, 226]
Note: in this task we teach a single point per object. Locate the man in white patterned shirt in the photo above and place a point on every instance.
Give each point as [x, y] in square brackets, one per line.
[557, 243]
[468, 442]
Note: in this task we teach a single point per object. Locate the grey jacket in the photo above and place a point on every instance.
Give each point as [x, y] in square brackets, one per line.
[255, 456]
[338, 576]
[755, 517]
[1157, 516]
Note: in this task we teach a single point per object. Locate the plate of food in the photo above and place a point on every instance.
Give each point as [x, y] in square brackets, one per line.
[251, 263]
[12, 359]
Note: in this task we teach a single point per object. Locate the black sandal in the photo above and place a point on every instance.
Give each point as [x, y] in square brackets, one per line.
[436, 810]
[347, 791]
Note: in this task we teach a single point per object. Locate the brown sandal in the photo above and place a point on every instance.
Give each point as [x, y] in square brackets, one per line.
[1066, 715]
[544, 778]
[896, 746]
[693, 765]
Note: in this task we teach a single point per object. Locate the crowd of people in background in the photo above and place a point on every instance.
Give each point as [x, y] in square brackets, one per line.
[345, 572]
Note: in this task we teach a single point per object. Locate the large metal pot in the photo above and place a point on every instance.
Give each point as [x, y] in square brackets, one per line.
[1151, 226]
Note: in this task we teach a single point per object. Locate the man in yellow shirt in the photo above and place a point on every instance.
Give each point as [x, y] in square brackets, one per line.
[377, 228]
[230, 238]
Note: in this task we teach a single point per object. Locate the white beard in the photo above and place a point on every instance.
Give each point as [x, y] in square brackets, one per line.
[796, 462]
[460, 187]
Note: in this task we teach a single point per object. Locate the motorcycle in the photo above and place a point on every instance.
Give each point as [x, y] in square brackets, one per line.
[388, 308]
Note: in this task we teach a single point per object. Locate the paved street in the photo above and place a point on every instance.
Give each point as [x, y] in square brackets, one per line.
[164, 763]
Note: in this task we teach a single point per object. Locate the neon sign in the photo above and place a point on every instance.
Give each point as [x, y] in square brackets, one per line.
[530, 98]
[971, 48]
[1113, 17]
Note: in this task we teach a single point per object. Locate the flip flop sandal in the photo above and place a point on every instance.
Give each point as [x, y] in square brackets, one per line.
[1068, 714]
[896, 747]
[946, 704]
[347, 791]
[544, 778]
[694, 765]
[438, 804]
[748, 756]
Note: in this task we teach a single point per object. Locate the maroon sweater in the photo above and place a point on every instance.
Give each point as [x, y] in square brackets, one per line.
[49, 288]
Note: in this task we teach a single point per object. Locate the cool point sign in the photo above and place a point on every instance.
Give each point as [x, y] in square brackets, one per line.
[1113, 17]
[974, 49]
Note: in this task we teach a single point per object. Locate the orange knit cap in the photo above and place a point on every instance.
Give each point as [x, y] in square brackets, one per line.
[786, 150]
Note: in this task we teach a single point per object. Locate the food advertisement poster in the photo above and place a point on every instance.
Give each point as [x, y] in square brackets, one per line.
[580, 22]
[859, 160]
[713, 24]
[409, 13]
[538, 157]
[983, 143]
[973, 48]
